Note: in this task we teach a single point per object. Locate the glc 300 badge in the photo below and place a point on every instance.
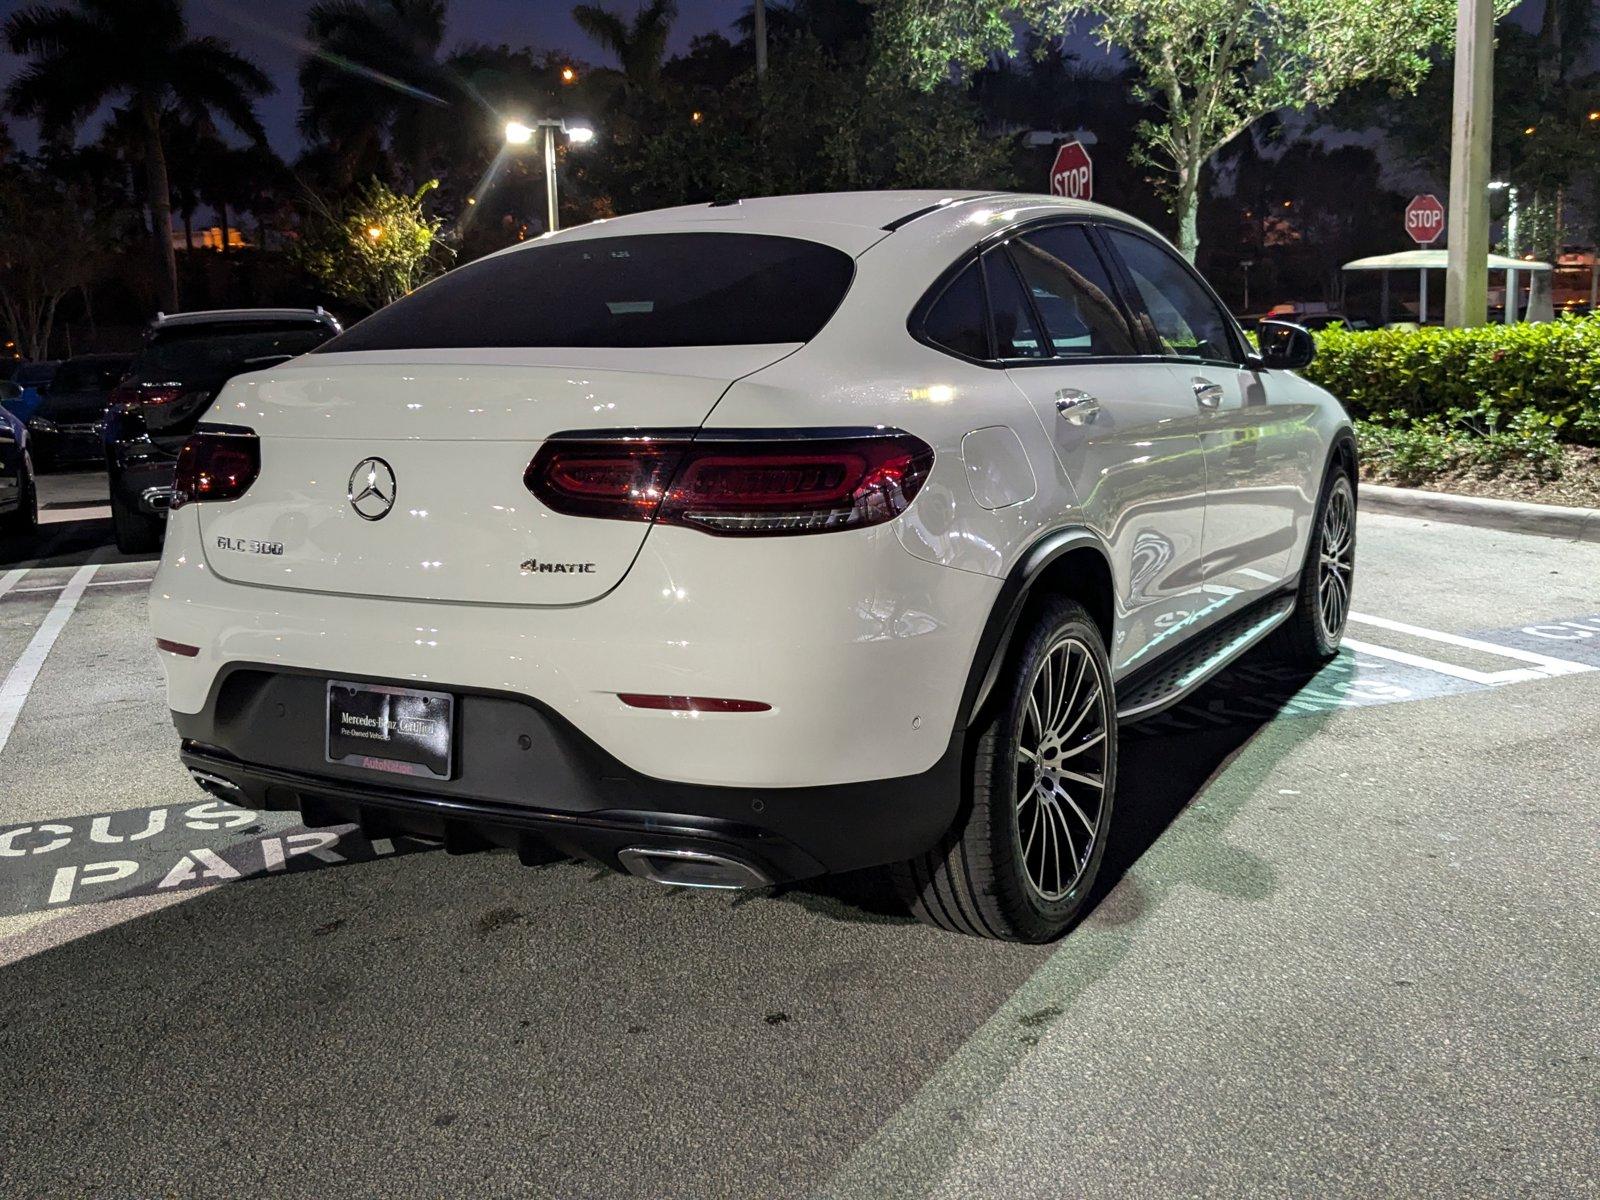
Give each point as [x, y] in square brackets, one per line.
[249, 546]
[534, 567]
[372, 489]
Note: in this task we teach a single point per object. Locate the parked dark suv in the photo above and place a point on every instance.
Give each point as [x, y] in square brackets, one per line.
[68, 423]
[186, 359]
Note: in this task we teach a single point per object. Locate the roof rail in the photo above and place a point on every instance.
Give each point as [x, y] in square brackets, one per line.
[933, 208]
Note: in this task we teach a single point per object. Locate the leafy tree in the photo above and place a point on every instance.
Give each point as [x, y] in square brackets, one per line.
[640, 45]
[374, 89]
[50, 244]
[91, 51]
[375, 247]
[805, 128]
[1212, 67]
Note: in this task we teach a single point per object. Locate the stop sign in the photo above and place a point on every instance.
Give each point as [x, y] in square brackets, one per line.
[1424, 219]
[1072, 175]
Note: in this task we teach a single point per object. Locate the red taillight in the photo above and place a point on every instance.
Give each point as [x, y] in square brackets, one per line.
[132, 395]
[707, 704]
[735, 485]
[181, 649]
[216, 466]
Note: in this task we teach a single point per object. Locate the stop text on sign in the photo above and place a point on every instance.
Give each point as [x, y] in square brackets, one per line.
[1072, 173]
[1424, 219]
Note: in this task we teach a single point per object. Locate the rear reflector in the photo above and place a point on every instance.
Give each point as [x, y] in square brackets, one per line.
[215, 466]
[732, 485]
[182, 649]
[707, 704]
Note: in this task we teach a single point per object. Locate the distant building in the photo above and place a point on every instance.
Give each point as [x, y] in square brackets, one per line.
[210, 238]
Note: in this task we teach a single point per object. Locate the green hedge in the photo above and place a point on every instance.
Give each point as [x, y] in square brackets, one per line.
[1494, 377]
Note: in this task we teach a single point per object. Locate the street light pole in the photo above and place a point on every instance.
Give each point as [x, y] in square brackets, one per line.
[552, 208]
[1466, 281]
[520, 133]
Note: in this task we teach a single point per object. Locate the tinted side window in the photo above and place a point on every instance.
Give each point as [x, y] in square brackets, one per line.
[1186, 320]
[956, 321]
[1072, 292]
[664, 289]
[1015, 333]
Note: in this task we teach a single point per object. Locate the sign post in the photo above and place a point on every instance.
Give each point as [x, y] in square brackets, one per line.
[1424, 222]
[1072, 174]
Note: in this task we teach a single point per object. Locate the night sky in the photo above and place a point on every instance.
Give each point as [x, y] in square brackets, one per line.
[267, 31]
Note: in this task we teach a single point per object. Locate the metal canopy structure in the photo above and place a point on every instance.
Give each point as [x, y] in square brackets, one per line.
[1423, 261]
[1435, 260]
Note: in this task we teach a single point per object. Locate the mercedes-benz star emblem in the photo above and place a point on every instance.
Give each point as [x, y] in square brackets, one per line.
[372, 489]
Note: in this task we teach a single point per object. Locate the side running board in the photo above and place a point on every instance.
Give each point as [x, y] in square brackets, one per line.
[1194, 664]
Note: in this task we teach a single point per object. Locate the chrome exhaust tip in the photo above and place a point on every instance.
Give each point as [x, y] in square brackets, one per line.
[216, 785]
[690, 868]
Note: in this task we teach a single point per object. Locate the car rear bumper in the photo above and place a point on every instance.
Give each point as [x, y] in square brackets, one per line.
[529, 780]
[860, 651]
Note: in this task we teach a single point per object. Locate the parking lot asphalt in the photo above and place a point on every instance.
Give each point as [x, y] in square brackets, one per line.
[1350, 946]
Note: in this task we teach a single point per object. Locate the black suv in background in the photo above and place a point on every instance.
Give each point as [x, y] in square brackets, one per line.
[185, 360]
[67, 425]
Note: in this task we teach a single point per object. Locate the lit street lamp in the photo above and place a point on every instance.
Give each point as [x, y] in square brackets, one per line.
[520, 133]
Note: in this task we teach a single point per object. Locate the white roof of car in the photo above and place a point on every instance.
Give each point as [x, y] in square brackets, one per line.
[851, 221]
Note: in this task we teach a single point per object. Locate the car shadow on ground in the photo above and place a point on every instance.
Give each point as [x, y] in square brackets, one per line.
[1160, 774]
[493, 1029]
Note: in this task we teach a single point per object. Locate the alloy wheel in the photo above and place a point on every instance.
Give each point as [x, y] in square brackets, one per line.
[1337, 567]
[1061, 758]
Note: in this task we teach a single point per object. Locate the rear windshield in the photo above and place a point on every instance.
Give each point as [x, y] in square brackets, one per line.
[220, 347]
[665, 289]
[97, 376]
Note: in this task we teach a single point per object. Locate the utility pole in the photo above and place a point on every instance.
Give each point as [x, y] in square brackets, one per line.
[1466, 282]
[759, 33]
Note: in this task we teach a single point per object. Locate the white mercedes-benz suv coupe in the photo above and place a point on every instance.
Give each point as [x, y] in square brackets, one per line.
[735, 544]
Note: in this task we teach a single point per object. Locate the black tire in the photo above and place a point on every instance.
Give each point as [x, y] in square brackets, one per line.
[980, 878]
[1308, 638]
[136, 532]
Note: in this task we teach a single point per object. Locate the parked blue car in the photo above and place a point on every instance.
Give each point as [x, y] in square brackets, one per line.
[33, 378]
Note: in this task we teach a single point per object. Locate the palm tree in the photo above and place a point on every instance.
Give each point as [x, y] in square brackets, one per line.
[375, 74]
[92, 51]
[640, 45]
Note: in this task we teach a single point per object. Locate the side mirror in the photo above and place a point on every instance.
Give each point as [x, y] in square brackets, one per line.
[1285, 346]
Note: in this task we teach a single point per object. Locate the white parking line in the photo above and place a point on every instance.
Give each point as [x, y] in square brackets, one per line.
[1482, 678]
[14, 691]
[1543, 665]
[56, 587]
[9, 579]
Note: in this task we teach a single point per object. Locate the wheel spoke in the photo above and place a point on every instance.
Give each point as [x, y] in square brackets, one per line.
[1086, 780]
[1082, 746]
[1062, 796]
[1094, 695]
[1033, 831]
[1064, 704]
[1072, 848]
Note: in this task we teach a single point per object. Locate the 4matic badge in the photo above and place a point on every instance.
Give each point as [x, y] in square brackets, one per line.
[534, 567]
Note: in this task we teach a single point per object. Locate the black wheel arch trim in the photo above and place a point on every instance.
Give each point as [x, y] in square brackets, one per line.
[1005, 615]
